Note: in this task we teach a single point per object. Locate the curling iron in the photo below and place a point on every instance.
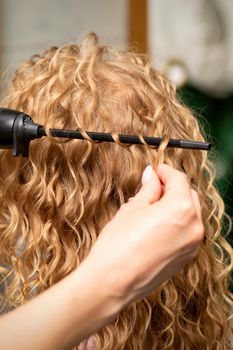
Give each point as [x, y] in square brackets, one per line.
[17, 129]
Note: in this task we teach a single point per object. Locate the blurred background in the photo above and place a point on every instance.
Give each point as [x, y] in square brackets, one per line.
[189, 41]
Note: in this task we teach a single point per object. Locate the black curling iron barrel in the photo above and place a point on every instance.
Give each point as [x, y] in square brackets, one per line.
[17, 130]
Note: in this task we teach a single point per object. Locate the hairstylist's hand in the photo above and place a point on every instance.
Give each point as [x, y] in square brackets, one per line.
[151, 237]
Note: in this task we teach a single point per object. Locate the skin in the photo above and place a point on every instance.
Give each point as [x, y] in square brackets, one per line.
[150, 239]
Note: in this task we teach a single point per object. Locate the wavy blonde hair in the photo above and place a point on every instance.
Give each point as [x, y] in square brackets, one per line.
[54, 203]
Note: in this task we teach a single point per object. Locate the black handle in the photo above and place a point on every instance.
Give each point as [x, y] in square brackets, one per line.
[16, 131]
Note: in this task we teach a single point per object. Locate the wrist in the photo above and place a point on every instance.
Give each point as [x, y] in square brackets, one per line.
[100, 288]
[92, 296]
[114, 285]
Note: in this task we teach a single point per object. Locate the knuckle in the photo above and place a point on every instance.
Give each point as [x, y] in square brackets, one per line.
[184, 176]
[194, 192]
[189, 208]
[186, 207]
[124, 207]
[183, 213]
[198, 232]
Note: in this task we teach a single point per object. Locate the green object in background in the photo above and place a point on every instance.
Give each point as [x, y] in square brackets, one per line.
[218, 112]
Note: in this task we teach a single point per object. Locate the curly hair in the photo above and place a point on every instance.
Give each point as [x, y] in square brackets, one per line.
[54, 204]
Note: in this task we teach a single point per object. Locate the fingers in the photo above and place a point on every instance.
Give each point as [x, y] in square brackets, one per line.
[151, 188]
[147, 173]
[167, 182]
[197, 203]
[175, 183]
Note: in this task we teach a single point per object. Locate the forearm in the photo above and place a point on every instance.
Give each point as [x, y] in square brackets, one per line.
[62, 316]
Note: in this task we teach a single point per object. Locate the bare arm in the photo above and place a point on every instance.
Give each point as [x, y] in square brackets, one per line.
[62, 316]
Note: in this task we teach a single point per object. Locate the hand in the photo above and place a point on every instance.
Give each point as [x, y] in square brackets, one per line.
[152, 237]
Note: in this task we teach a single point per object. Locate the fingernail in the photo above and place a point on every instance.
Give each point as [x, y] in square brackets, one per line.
[147, 173]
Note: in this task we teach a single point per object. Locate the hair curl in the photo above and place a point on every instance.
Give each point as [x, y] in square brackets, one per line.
[54, 203]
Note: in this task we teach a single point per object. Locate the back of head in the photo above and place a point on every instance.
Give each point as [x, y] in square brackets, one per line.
[55, 203]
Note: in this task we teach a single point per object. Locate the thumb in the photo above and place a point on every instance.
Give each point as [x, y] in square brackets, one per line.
[151, 187]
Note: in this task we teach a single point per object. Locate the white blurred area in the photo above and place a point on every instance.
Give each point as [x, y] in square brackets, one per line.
[197, 38]
[29, 26]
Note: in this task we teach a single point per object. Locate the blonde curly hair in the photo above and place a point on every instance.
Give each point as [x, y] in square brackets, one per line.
[54, 203]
